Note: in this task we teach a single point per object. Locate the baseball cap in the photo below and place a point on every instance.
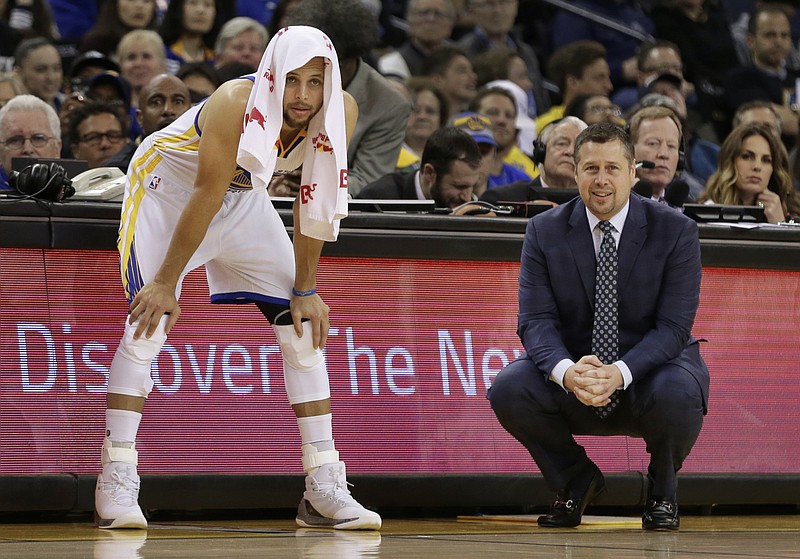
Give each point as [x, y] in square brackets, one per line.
[92, 58]
[476, 125]
[114, 79]
[669, 78]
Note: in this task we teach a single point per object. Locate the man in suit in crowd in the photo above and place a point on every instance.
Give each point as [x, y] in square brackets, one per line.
[553, 153]
[652, 382]
[450, 172]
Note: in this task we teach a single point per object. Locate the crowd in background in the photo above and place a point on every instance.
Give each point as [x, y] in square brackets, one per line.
[506, 73]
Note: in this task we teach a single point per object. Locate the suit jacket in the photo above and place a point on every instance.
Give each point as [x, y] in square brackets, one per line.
[658, 289]
[380, 129]
[515, 192]
[394, 186]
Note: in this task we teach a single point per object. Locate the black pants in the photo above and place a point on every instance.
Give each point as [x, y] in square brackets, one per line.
[665, 409]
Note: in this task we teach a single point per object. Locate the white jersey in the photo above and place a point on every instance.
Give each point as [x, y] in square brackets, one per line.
[161, 179]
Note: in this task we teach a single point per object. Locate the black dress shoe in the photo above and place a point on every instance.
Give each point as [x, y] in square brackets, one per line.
[661, 515]
[567, 510]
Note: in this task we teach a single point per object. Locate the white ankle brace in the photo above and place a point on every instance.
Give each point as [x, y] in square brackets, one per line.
[313, 458]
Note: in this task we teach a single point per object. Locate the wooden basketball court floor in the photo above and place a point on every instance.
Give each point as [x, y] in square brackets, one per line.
[599, 537]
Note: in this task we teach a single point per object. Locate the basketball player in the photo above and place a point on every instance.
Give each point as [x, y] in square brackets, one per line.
[196, 195]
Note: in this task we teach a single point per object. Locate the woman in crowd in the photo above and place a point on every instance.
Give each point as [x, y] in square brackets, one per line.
[116, 19]
[429, 112]
[189, 30]
[38, 67]
[141, 58]
[243, 40]
[753, 170]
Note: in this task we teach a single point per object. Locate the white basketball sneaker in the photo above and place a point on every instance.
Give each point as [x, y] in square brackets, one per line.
[327, 502]
[116, 496]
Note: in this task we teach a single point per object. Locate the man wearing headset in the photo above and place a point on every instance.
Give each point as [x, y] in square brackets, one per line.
[553, 154]
[656, 134]
[29, 127]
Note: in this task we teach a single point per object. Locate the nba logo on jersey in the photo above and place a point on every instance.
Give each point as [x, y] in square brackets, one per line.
[154, 182]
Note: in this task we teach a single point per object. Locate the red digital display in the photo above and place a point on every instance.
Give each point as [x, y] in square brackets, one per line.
[414, 345]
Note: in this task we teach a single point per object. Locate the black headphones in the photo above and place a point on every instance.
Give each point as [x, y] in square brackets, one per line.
[44, 181]
[540, 146]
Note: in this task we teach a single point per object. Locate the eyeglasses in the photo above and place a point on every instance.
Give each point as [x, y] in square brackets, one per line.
[37, 141]
[94, 138]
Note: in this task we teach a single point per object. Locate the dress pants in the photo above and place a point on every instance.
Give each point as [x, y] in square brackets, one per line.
[665, 408]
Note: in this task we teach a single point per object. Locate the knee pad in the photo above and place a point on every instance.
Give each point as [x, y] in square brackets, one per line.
[304, 372]
[130, 370]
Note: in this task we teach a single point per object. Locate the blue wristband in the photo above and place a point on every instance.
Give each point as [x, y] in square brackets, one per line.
[304, 293]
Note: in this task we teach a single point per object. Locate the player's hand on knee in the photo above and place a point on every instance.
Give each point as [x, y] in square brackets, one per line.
[317, 312]
[152, 302]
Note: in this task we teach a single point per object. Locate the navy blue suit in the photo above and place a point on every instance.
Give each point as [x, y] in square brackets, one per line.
[658, 290]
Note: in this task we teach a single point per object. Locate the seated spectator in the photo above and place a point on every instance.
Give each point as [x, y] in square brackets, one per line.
[190, 30]
[579, 68]
[163, 100]
[499, 105]
[555, 158]
[656, 136]
[568, 27]
[115, 20]
[653, 58]
[451, 71]
[141, 58]
[428, 113]
[494, 27]
[740, 27]
[96, 132]
[430, 24]
[29, 127]
[86, 66]
[448, 175]
[526, 126]
[243, 40]
[112, 89]
[768, 78]
[9, 87]
[480, 128]
[38, 67]
[382, 111]
[593, 109]
[201, 79]
[754, 171]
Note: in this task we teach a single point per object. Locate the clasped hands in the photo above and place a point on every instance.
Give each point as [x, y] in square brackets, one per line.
[592, 382]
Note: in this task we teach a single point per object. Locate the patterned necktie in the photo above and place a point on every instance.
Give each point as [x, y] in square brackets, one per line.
[604, 330]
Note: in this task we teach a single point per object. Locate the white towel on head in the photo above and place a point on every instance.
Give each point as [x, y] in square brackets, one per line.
[323, 191]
